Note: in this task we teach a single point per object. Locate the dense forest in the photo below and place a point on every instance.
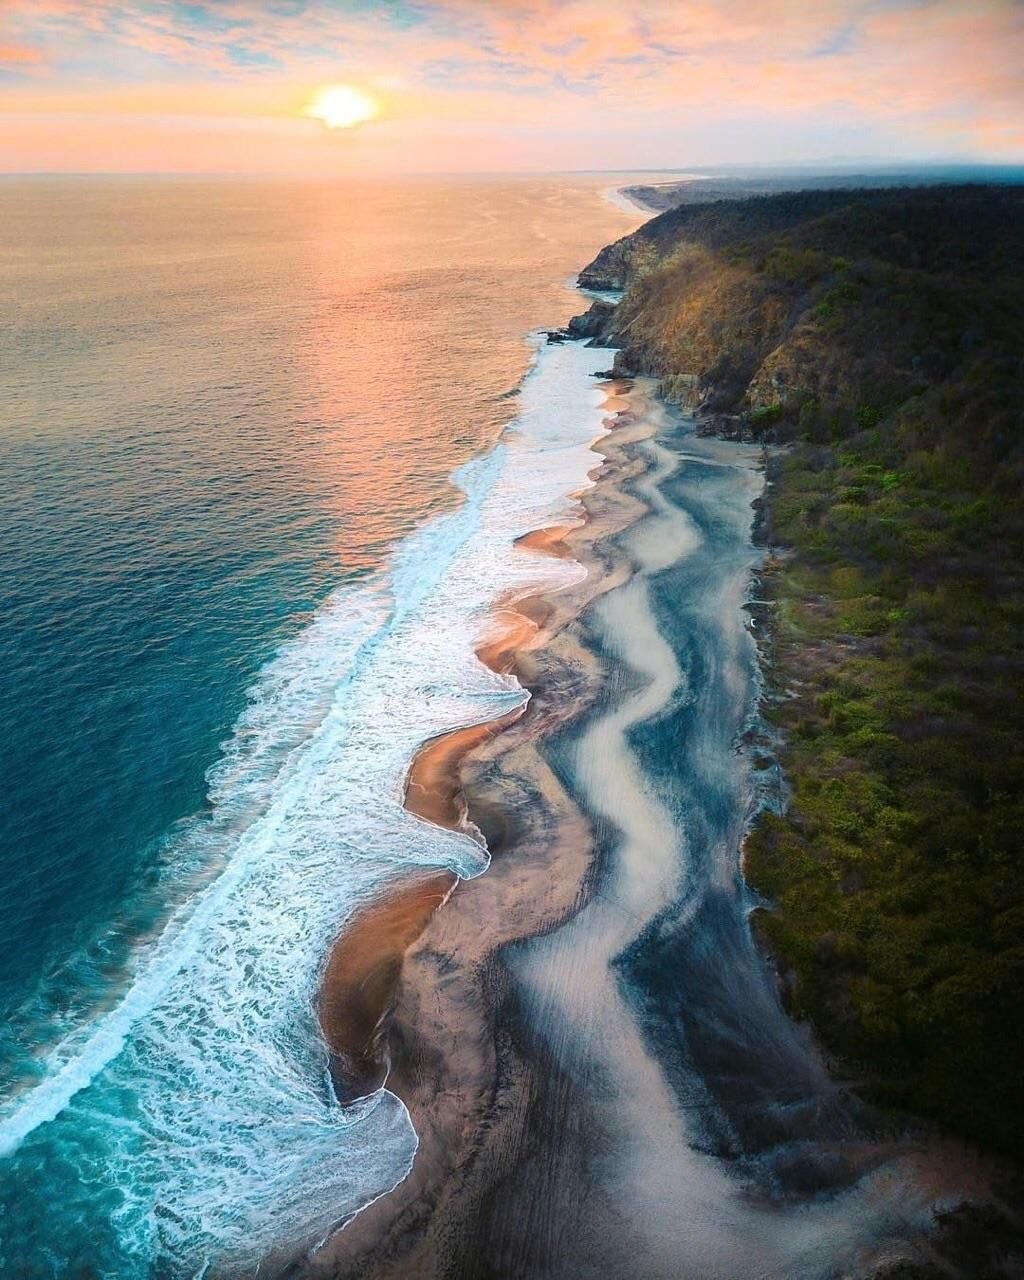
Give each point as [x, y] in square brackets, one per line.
[875, 341]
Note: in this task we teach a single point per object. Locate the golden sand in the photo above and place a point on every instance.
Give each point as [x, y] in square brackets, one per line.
[365, 965]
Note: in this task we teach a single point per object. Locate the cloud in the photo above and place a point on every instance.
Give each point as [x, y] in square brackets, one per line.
[19, 55]
[942, 75]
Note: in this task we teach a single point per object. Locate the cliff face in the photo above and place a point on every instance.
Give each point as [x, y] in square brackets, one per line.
[799, 308]
[881, 336]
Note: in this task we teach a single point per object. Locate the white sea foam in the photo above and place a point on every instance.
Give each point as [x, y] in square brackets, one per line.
[199, 1106]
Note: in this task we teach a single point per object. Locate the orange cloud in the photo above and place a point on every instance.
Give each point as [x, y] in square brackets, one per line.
[556, 76]
[18, 55]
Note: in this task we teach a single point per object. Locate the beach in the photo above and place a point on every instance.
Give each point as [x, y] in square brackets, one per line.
[444, 1064]
[585, 1036]
[445, 785]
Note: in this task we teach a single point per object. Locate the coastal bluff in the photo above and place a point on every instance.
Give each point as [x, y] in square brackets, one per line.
[876, 338]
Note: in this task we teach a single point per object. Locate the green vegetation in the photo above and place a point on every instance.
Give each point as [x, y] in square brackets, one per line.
[766, 415]
[880, 336]
[898, 641]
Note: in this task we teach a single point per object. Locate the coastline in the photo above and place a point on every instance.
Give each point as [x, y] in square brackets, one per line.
[619, 197]
[482, 1048]
[595, 1032]
[542, 854]
[364, 966]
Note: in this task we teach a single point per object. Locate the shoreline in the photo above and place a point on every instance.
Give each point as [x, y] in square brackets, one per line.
[541, 860]
[481, 1021]
[618, 197]
[586, 952]
[364, 965]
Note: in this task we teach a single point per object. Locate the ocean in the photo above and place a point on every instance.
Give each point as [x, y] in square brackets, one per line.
[265, 449]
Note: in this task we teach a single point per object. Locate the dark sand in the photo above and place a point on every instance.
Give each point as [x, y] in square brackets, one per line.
[446, 1057]
[365, 965]
[592, 1052]
[364, 968]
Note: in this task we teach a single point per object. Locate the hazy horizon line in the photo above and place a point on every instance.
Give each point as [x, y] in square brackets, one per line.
[855, 166]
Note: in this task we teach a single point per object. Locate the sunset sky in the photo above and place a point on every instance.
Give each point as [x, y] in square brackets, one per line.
[462, 85]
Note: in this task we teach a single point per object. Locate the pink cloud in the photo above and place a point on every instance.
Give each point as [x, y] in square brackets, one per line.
[19, 55]
[945, 70]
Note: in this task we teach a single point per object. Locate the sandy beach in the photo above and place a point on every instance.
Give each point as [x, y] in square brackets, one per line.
[586, 1036]
[440, 1034]
[364, 968]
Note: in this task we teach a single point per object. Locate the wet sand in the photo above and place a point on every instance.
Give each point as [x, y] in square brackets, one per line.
[591, 1049]
[363, 972]
[361, 978]
[445, 1059]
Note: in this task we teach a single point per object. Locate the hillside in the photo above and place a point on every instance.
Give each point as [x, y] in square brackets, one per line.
[880, 336]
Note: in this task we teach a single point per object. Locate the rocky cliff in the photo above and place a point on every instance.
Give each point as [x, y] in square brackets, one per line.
[797, 311]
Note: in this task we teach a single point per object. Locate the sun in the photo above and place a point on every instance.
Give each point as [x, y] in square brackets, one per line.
[341, 106]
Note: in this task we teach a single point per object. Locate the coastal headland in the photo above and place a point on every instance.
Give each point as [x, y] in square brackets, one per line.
[870, 340]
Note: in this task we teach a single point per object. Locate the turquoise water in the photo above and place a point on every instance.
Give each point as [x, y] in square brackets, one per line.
[162, 536]
[146, 580]
[253, 517]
